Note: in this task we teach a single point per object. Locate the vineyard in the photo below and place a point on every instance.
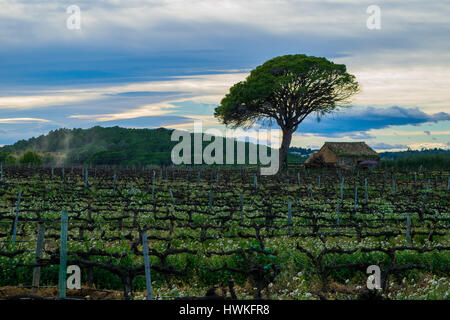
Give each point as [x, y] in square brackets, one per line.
[302, 234]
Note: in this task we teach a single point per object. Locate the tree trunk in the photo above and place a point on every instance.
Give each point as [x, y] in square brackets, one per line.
[285, 143]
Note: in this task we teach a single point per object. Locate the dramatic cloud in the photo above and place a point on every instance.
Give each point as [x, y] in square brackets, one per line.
[355, 122]
[148, 63]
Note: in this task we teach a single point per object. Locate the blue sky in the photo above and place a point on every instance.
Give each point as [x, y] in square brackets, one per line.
[166, 63]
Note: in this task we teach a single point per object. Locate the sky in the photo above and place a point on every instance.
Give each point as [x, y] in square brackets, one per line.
[149, 64]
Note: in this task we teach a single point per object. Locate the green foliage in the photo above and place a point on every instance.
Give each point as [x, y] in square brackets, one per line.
[7, 159]
[104, 146]
[32, 158]
[287, 89]
[432, 159]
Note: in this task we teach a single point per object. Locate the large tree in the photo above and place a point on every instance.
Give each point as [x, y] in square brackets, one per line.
[287, 89]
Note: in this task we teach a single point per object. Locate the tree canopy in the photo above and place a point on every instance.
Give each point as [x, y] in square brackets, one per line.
[286, 90]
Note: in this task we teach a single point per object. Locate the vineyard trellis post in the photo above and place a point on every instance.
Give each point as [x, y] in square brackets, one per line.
[171, 196]
[148, 278]
[365, 191]
[86, 178]
[16, 218]
[338, 207]
[408, 228]
[1, 172]
[211, 195]
[153, 185]
[63, 256]
[289, 216]
[393, 183]
[39, 248]
[241, 198]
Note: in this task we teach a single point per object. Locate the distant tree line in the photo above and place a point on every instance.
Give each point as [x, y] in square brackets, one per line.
[122, 146]
[434, 159]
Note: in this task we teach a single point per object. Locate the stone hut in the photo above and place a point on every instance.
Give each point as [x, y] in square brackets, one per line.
[343, 154]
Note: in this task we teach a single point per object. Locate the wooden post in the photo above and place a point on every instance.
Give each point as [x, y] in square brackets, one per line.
[365, 191]
[148, 278]
[298, 178]
[338, 207]
[171, 196]
[1, 172]
[356, 197]
[210, 200]
[63, 256]
[342, 189]
[241, 198]
[255, 181]
[63, 174]
[310, 191]
[408, 228]
[319, 181]
[53, 172]
[114, 181]
[86, 178]
[289, 216]
[16, 218]
[153, 185]
[39, 248]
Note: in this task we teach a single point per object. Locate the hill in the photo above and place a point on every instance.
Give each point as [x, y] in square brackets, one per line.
[97, 146]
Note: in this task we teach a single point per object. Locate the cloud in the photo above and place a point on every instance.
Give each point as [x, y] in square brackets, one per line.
[356, 122]
[387, 146]
[21, 120]
[143, 111]
[146, 122]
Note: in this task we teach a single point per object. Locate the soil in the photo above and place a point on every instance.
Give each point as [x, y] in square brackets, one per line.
[52, 293]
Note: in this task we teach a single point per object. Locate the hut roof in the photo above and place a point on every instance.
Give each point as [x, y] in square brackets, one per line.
[350, 148]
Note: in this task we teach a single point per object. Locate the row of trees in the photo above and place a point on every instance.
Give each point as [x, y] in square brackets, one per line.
[421, 159]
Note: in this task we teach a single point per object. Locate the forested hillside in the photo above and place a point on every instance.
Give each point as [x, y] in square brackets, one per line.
[96, 146]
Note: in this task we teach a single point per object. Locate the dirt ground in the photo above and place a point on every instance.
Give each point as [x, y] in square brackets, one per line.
[52, 293]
